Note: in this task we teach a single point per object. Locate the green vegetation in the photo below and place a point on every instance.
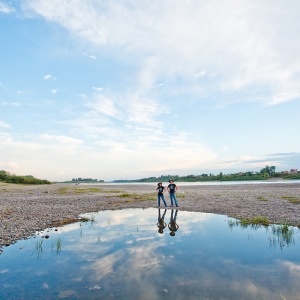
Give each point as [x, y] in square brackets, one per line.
[28, 179]
[131, 197]
[85, 190]
[38, 248]
[261, 198]
[86, 180]
[259, 220]
[78, 190]
[280, 235]
[294, 200]
[56, 246]
[266, 173]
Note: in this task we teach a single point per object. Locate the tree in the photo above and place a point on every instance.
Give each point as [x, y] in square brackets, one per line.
[268, 169]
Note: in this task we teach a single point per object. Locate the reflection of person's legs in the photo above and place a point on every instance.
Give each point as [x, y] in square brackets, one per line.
[171, 219]
[163, 216]
[159, 217]
[163, 199]
[172, 232]
[176, 211]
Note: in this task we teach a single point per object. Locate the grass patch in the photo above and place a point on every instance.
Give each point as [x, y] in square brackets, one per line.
[133, 197]
[261, 198]
[179, 195]
[5, 213]
[56, 246]
[69, 221]
[78, 190]
[112, 191]
[294, 200]
[85, 190]
[259, 220]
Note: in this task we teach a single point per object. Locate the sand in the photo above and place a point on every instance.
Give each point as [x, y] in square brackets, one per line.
[27, 209]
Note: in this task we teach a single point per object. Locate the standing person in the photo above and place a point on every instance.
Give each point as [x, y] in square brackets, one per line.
[160, 195]
[173, 226]
[172, 188]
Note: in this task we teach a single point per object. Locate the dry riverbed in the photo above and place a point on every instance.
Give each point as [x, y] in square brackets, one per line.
[27, 209]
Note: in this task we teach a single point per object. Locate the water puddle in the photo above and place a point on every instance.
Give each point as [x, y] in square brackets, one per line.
[154, 254]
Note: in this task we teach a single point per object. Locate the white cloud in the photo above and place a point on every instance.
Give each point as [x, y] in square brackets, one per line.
[103, 105]
[200, 74]
[11, 165]
[22, 92]
[61, 139]
[54, 91]
[83, 96]
[242, 43]
[5, 137]
[3, 124]
[90, 56]
[48, 77]
[225, 148]
[5, 8]
[4, 103]
[98, 89]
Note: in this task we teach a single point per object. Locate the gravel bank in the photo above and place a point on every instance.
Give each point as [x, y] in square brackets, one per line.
[26, 209]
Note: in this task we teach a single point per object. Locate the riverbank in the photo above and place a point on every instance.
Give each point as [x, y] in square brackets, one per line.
[27, 209]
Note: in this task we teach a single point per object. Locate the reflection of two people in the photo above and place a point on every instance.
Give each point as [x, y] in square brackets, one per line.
[173, 226]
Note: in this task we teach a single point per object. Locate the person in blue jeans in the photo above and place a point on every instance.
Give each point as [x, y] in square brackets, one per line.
[160, 194]
[172, 188]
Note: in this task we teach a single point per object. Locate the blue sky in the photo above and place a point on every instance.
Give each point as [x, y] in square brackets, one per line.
[131, 89]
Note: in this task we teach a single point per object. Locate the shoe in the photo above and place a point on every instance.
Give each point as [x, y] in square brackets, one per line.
[176, 205]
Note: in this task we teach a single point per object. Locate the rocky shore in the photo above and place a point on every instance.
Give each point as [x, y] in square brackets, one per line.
[27, 209]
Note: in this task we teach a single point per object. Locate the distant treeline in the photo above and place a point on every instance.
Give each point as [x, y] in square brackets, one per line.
[28, 179]
[86, 180]
[265, 173]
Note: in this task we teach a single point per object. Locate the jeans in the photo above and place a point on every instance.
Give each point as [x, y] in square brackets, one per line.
[162, 197]
[173, 197]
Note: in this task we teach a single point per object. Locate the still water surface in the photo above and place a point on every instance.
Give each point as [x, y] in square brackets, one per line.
[139, 254]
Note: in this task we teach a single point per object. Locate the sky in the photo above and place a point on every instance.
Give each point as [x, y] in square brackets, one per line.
[129, 89]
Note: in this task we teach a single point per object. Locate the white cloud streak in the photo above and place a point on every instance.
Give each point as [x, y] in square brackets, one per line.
[5, 8]
[61, 139]
[241, 43]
